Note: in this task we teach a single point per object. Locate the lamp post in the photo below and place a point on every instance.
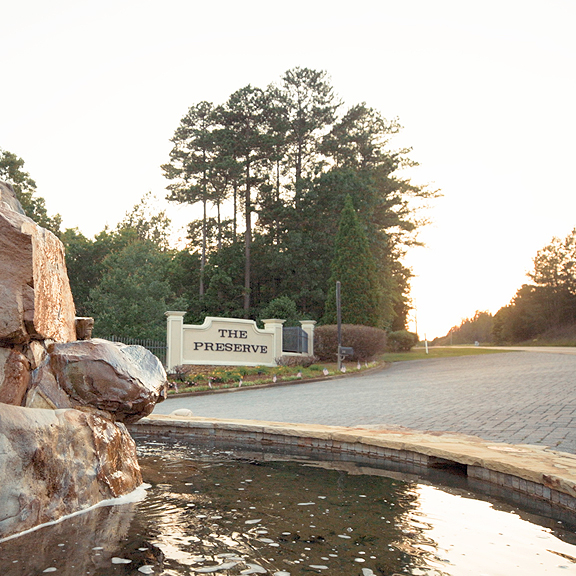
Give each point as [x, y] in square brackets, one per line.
[339, 323]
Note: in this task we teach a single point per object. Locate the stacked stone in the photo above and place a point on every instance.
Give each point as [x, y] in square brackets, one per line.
[63, 401]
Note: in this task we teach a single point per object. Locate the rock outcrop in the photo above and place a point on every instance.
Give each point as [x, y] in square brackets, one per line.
[64, 397]
[35, 297]
[56, 462]
[124, 381]
[8, 198]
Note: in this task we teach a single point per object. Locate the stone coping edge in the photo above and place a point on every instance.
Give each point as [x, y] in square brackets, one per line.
[535, 470]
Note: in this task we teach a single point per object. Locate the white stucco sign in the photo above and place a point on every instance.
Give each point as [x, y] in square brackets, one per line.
[227, 341]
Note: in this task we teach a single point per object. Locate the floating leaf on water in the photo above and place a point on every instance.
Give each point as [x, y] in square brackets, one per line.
[226, 555]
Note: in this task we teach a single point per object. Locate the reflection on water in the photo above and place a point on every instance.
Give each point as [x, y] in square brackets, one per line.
[208, 513]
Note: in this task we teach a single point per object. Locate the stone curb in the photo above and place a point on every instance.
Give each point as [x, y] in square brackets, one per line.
[533, 471]
[383, 366]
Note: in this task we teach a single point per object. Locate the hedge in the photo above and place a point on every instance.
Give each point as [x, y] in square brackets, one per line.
[366, 341]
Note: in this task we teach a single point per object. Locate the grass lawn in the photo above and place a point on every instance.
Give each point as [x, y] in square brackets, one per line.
[419, 353]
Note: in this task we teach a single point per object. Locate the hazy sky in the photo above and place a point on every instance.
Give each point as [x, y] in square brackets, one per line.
[486, 91]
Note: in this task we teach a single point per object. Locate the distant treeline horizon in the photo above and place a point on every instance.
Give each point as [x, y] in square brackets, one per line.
[543, 310]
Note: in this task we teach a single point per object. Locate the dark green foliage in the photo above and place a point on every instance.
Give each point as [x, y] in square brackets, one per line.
[85, 261]
[282, 308]
[127, 278]
[133, 294]
[11, 171]
[401, 341]
[354, 267]
[367, 342]
[286, 155]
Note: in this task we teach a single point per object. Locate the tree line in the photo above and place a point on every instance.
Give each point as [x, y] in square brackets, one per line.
[543, 309]
[278, 174]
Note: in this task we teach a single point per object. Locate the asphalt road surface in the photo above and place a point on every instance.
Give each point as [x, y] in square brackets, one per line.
[516, 397]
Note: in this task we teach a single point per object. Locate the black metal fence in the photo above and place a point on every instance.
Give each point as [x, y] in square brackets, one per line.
[157, 347]
[294, 339]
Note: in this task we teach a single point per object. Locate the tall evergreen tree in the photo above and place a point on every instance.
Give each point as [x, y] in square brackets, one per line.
[246, 117]
[353, 265]
[310, 106]
[190, 163]
[294, 159]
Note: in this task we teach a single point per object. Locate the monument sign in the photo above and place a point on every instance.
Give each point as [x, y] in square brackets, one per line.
[226, 341]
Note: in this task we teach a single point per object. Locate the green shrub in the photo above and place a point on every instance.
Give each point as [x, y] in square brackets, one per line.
[366, 341]
[402, 341]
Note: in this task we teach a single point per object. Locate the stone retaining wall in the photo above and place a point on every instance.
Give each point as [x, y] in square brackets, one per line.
[514, 471]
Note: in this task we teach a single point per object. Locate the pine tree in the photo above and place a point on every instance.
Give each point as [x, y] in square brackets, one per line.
[353, 265]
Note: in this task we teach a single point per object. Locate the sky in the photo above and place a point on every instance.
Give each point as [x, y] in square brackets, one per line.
[485, 91]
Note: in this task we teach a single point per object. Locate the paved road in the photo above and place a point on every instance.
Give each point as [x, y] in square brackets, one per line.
[517, 397]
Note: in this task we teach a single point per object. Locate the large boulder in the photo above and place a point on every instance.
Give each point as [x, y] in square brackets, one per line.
[35, 297]
[124, 381]
[57, 462]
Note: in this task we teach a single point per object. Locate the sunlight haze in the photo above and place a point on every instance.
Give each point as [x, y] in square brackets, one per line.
[92, 94]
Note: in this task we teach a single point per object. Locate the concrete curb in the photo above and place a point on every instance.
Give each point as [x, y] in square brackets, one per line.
[528, 471]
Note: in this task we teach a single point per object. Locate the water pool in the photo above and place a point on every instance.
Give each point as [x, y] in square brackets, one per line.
[217, 512]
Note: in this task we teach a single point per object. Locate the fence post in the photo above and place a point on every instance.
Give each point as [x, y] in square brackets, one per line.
[275, 326]
[174, 338]
[308, 327]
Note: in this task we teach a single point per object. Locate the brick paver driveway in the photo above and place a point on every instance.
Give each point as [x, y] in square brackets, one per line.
[516, 397]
